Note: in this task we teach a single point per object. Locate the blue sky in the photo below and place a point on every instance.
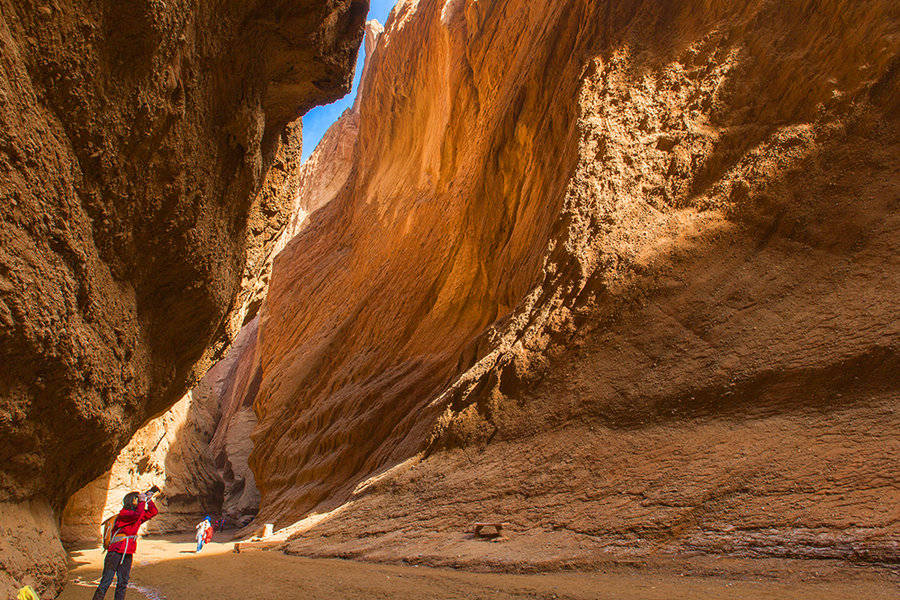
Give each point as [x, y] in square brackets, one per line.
[317, 121]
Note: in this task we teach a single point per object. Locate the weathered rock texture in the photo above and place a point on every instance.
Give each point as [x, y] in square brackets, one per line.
[326, 170]
[167, 452]
[303, 190]
[272, 212]
[196, 453]
[135, 137]
[297, 190]
[636, 259]
[230, 447]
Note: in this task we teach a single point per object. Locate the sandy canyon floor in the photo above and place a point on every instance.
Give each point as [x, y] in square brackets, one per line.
[166, 568]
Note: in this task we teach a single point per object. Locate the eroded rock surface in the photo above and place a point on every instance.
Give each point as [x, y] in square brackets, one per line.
[134, 144]
[196, 453]
[625, 271]
[168, 452]
[326, 170]
[230, 447]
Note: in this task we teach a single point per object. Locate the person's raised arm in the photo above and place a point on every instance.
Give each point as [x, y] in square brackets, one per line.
[150, 511]
[137, 515]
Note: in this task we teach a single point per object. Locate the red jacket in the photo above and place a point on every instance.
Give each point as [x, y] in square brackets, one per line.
[128, 522]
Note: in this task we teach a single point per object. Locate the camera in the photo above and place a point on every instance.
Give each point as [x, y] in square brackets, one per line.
[149, 493]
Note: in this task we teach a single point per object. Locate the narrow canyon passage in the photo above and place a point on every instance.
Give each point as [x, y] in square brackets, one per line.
[618, 278]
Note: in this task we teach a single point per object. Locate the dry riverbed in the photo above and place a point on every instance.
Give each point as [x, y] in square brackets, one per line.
[168, 569]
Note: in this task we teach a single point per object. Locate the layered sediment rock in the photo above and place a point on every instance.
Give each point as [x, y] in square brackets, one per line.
[135, 140]
[637, 256]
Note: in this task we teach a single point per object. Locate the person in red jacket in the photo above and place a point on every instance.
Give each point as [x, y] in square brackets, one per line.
[137, 508]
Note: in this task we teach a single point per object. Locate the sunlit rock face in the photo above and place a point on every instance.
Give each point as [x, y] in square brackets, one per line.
[135, 141]
[326, 170]
[638, 254]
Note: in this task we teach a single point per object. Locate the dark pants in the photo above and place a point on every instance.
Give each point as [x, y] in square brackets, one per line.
[120, 567]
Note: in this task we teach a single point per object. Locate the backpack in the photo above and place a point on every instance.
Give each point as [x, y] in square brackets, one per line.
[109, 529]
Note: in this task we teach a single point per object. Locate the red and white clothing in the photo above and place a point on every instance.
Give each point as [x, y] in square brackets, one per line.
[127, 524]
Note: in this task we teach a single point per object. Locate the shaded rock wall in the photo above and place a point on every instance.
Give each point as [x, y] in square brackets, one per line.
[230, 446]
[135, 138]
[207, 433]
[168, 452]
[196, 453]
[637, 256]
[271, 215]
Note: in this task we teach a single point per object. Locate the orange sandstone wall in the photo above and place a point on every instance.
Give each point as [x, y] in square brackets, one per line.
[639, 255]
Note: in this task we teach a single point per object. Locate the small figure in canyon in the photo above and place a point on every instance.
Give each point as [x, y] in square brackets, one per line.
[137, 509]
[204, 532]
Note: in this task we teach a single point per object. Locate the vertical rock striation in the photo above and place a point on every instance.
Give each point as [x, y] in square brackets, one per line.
[230, 447]
[599, 230]
[136, 137]
[326, 170]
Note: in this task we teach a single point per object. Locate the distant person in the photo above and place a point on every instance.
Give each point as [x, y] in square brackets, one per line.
[120, 540]
[204, 532]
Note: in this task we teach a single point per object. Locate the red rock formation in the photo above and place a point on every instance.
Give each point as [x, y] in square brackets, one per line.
[135, 138]
[638, 255]
[168, 452]
[326, 170]
[202, 467]
[196, 453]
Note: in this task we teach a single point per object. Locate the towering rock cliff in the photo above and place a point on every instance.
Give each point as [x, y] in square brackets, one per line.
[135, 139]
[326, 170]
[622, 273]
[197, 451]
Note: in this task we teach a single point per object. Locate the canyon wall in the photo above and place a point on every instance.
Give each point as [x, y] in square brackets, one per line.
[136, 137]
[229, 448]
[326, 170]
[184, 454]
[621, 273]
[197, 451]
[167, 452]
